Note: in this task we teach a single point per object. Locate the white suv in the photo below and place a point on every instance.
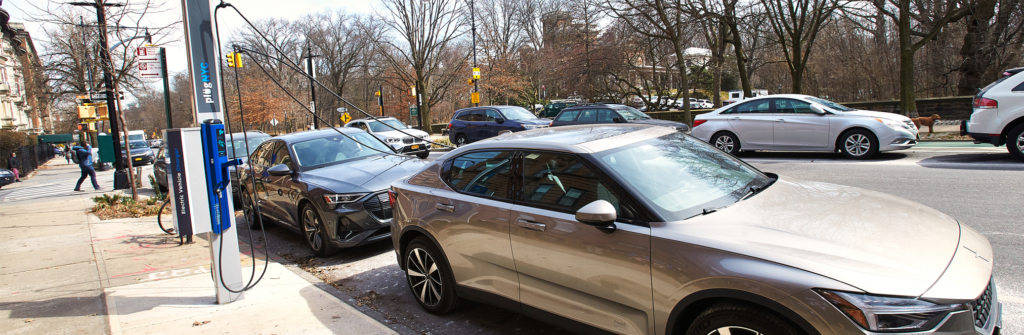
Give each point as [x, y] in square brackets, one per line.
[998, 116]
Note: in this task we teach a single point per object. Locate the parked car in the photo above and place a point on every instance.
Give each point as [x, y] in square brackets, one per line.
[998, 116]
[326, 186]
[407, 141]
[155, 143]
[140, 153]
[552, 109]
[609, 113]
[705, 104]
[473, 124]
[794, 122]
[636, 229]
[236, 148]
[6, 177]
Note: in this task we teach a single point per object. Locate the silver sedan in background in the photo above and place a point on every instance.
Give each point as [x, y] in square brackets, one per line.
[794, 122]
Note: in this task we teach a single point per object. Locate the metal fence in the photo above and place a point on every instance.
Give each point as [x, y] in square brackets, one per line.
[30, 157]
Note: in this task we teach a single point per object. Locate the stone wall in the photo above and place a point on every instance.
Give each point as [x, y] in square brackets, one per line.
[949, 108]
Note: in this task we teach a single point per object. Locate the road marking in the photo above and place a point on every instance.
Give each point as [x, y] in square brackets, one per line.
[62, 187]
[176, 273]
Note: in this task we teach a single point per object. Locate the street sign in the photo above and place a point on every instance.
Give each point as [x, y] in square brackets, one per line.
[149, 69]
[414, 111]
[475, 97]
[273, 122]
[345, 118]
[98, 96]
[148, 54]
[476, 73]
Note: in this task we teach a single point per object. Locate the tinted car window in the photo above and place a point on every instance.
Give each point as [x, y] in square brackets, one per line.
[281, 156]
[606, 116]
[485, 173]
[517, 113]
[265, 153]
[562, 182]
[792, 106]
[238, 147]
[469, 116]
[492, 115]
[760, 106]
[1019, 88]
[588, 115]
[568, 115]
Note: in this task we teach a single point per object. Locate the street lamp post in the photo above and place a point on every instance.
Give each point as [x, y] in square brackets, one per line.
[472, 15]
[108, 84]
[312, 84]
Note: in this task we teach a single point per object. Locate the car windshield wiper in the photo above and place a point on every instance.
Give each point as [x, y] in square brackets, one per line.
[705, 211]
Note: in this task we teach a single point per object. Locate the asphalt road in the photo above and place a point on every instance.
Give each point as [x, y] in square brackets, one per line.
[980, 186]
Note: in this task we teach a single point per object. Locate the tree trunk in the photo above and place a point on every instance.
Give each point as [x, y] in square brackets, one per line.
[684, 82]
[908, 105]
[741, 59]
[977, 56]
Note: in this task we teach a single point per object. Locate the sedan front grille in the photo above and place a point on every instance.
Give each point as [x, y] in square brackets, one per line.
[982, 308]
[378, 206]
[408, 139]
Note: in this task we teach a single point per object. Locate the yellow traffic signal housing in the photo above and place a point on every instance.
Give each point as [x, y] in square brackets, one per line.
[238, 59]
[86, 112]
[101, 111]
[231, 59]
[471, 82]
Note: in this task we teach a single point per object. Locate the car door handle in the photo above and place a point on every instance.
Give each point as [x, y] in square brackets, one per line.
[780, 120]
[735, 119]
[443, 207]
[532, 225]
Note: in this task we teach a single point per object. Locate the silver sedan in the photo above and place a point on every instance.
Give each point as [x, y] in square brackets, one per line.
[793, 122]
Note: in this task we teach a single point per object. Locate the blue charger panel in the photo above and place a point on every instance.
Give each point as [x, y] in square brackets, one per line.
[217, 179]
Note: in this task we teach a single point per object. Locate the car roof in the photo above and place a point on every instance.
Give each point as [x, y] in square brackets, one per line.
[379, 118]
[493, 106]
[581, 139]
[585, 106]
[315, 134]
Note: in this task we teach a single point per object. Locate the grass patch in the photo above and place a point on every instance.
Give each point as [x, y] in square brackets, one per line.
[119, 206]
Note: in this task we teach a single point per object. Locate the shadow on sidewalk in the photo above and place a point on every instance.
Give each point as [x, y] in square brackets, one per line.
[55, 308]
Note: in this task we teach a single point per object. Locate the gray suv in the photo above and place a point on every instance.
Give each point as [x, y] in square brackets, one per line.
[636, 229]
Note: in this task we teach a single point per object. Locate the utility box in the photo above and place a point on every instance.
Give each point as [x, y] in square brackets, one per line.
[186, 181]
[106, 146]
[101, 111]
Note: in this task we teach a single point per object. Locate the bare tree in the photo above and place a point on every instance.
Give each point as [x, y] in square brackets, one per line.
[993, 26]
[796, 24]
[427, 30]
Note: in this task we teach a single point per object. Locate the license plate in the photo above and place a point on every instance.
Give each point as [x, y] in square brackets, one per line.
[417, 146]
[138, 159]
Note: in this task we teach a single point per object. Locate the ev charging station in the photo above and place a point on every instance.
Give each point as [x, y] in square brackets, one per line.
[198, 165]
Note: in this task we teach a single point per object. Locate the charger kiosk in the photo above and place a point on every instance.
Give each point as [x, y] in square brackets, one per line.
[197, 176]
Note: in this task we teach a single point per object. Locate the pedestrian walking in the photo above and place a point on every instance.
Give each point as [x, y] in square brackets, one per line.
[84, 153]
[67, 153]
[13, 162]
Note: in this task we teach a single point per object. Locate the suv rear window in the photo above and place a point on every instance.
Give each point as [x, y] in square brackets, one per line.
[993, 84]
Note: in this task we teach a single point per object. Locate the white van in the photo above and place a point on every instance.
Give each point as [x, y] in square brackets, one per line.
[136, 135]
[998, 116]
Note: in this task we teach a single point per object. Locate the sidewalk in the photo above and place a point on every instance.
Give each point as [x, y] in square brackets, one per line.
[65, 271]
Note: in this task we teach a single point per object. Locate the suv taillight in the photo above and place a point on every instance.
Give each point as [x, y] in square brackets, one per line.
[392, 198]
[985, 103]
[449, 126]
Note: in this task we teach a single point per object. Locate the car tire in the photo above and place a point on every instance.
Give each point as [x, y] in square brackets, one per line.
[249, 212]
[314, 232]
[423, 155]
[726, 142]
[433, 289]
[1015, 142]
[734, 317]
[461, 140]
[858, 144]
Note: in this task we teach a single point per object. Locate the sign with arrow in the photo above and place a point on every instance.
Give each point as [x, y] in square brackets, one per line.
[273, 122]
[345, 118]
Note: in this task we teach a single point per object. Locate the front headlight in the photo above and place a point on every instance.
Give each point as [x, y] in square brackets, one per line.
[393, 140]
[893, 124]
[889, 314]
[335, 199]
[531, 126]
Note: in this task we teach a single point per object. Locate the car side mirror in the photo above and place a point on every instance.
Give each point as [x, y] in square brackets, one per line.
[600, 214]
[499, 120]
[279, 170]
[817, 109]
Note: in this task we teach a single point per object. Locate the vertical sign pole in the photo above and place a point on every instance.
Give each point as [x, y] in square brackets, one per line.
[207, 102]
[167, 89]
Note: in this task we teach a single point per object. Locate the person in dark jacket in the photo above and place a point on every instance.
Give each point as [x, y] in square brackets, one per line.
[84, 153]
[14, 163]
[67, 153]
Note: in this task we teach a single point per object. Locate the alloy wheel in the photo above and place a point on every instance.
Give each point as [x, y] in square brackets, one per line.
[460, 141]
[724, 143]
[858, 144]
[312, 229]
[424, 277]
[247, 209]
[734, 330]
[1020, 142]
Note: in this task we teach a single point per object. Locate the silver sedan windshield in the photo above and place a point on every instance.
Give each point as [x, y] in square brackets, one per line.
[680, 176]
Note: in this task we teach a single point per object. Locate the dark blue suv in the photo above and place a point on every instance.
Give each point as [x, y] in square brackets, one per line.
[472, 124]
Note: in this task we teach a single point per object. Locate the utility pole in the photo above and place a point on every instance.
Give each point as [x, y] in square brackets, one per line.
[108, 85]
[312, 84]
[167, 87]
[472, 15]
[380, 99]
[85, 44]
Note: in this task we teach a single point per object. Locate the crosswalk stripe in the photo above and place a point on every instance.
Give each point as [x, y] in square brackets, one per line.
[62, 187]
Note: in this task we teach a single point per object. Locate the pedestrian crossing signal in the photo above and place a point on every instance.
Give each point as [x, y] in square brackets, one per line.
[234, 59]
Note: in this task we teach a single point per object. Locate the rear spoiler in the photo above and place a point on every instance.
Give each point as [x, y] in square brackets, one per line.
[1013, 71]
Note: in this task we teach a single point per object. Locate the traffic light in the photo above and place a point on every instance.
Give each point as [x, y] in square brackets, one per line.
[231, 59]
[471, 82]
[238, 59]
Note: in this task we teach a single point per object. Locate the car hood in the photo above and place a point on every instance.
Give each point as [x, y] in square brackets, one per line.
[364, 175]
[658, 122]
[140, 151]
[399, 134]
[884, 115]
[876, 242]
